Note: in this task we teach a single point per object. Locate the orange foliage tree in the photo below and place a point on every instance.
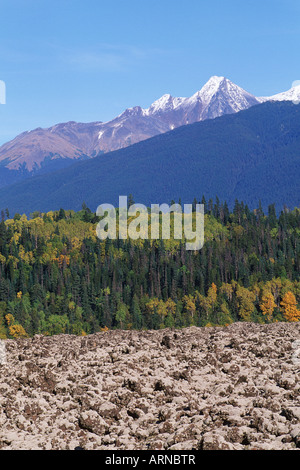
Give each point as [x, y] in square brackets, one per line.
[289, 307]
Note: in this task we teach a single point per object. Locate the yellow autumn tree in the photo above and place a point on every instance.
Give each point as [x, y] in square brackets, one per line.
[161, 309]
[227, 289]
[76, 243]
[170, 307]
[289, 307]
[189, 307]
[17, 331]
[245, 302]
[224, 316]
[9, 319]
[267, 305]
[156, 306]
[152, 305]
[212, 294]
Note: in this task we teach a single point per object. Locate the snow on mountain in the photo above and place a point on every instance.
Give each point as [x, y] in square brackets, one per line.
[220, 92]
[293, 94]
[221, 96]
[164, 104]
[33, 150]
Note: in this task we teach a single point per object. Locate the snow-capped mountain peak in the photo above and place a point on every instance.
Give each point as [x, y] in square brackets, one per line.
[162, 104]
[219, 96]
[210, 88]
[219, 92]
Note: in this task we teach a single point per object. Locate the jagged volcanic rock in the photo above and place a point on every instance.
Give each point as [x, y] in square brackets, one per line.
[234, 387]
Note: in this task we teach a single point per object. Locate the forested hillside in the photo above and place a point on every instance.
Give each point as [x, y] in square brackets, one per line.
[56, 276]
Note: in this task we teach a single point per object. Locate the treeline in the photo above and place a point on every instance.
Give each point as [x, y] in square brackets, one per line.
[56, 276]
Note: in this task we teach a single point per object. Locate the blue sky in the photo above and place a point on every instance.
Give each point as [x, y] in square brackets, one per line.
[89, 60]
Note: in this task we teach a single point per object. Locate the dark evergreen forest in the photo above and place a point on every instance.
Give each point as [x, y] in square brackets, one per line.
[57, 277]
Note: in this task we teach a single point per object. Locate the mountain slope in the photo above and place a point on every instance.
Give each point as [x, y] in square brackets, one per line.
[68, 140]
[252, 155]
[45, 149]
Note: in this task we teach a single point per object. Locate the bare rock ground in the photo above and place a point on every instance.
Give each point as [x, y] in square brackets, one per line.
[234, 387]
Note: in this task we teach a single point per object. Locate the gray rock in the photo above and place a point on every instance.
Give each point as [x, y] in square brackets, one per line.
[230, 388]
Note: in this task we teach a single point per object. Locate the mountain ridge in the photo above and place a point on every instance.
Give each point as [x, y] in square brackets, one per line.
[251, 156]
[45, 150]
[34, 149]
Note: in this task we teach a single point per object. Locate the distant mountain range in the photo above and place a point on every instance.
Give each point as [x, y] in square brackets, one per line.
[252, 155]
[44, 150]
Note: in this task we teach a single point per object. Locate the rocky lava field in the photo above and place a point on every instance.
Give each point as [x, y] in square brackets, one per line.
[230, 388]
